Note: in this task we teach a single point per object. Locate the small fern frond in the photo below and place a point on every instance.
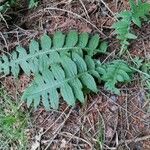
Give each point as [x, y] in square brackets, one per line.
[40, 55]
[69, 78]
[139, 10]
[123, 26]
[116, 71]
[122, 29]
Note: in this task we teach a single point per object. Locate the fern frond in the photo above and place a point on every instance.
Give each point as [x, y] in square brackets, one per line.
[123, 26]
[69, 78]
[64, 66]
[139, 10]
[116, 71]
[122, 29]
[40, 55]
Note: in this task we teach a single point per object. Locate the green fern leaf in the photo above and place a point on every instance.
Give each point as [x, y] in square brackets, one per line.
[46, 101]
[103, 47]
[40, 55]
[70, 69]
[58, 40]
[83, 39]
[116, 71]
[89, 82]
[23, 64]
[67, 94]
[81, 65]
[130, 36]
[132, 4]
[122, 27]
[87, 79]
[71, 39]
[46, 42]
[93, 44]
[123, 24]
[139, 10]
[5, 66]
[91, 65]
[136, 20]
[89, 62]
[69, 78]
[124, 15]
[77, 89]
[64, 66]
[69, 66]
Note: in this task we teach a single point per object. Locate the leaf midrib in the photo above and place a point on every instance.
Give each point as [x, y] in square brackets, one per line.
[30, 56]
[42, 53]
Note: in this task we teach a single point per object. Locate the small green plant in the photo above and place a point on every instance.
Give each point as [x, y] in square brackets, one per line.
[33, 3]
[13, 123]
[138, 62]
[126, 18]
[116, 71]
[142, 66]
[64, 65]
[6, 4]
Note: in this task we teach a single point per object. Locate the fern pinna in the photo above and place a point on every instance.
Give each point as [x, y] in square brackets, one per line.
[123, 26]
[64, 66]
[41, 56]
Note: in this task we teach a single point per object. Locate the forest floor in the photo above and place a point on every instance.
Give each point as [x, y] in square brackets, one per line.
[105, 121]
